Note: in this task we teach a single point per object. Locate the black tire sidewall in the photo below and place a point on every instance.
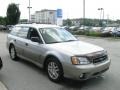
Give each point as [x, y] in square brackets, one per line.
[1, 63]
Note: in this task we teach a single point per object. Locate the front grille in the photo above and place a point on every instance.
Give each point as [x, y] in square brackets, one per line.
[98, 59]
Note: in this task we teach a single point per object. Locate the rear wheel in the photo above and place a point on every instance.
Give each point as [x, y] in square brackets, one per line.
[54, 70]
[13, 53]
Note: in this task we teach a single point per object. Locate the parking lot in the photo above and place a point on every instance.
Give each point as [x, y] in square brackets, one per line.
[22, 75]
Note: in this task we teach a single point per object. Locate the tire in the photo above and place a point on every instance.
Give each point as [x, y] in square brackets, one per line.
[54, 70]
[1, 63]
[12, 52]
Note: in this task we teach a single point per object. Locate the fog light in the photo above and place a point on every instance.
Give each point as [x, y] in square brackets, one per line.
[81, 75]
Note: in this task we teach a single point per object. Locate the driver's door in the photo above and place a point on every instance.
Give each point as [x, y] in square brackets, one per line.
[33, 50]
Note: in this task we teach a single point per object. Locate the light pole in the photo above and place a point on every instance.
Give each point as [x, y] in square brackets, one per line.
[84, 14]
[101, 14]
[29, 7]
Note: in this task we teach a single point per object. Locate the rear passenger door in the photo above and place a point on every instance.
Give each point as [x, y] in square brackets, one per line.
[21, 40]
[12, 37]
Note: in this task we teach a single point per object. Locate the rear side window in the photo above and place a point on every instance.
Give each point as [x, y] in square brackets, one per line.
[15, 30]
[23, 32]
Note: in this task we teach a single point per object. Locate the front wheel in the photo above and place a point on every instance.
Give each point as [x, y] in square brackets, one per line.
[13, 53]
[54, 70]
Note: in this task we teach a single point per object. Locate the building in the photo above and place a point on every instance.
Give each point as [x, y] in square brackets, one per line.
[23, 21]
[33, 18]
[46, 16]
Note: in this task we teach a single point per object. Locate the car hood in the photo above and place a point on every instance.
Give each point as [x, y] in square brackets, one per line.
[76, 47]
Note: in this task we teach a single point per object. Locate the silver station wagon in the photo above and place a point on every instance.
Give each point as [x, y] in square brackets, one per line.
[57, 51]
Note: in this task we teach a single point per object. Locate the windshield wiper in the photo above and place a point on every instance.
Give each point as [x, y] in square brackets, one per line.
[53, 42]
[61, 41]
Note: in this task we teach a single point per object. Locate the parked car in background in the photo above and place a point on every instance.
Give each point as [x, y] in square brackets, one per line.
[74, 28]
[116, 32]
[81, 28]
[57, 51]
[66, 27]
[106, 32]
[2, 27]
[84, 28]
[9, 27]
[1, 63]
[96, 29]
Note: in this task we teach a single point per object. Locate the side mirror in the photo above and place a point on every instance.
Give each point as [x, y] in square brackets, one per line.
[35, 39]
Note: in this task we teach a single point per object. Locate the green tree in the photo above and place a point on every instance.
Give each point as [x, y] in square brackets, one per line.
[67, 22]
[13, 14]
[2, 20]
[118, 21]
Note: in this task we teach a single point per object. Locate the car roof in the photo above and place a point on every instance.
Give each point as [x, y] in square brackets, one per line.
[37, 25]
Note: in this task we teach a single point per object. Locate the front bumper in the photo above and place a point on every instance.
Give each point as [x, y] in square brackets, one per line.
[84, 72]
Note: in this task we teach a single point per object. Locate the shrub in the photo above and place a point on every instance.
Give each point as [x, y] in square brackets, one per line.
[78, 32]
[92, 33]
[106, 35]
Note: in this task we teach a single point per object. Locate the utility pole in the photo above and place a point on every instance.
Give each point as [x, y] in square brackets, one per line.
[29, 7]
[84, 13]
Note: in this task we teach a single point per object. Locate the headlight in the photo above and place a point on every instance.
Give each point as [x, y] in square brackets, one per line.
[80, 60]
[105, 52]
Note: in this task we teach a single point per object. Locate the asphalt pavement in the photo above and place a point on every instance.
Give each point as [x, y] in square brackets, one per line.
[21, 75]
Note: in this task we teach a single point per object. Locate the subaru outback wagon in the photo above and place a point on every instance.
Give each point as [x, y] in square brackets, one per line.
[57, 51]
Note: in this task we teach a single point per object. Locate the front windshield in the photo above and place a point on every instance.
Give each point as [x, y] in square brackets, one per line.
[56, 35]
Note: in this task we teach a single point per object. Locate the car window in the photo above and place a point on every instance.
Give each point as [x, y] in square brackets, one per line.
[15, 30]
[56, 35]
[33, 33]
[23, 32]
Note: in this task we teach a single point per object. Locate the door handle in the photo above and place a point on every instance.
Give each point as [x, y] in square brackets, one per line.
[26, 44]
[15, 40]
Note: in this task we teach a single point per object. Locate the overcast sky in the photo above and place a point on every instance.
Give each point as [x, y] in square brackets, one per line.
[71, 8]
